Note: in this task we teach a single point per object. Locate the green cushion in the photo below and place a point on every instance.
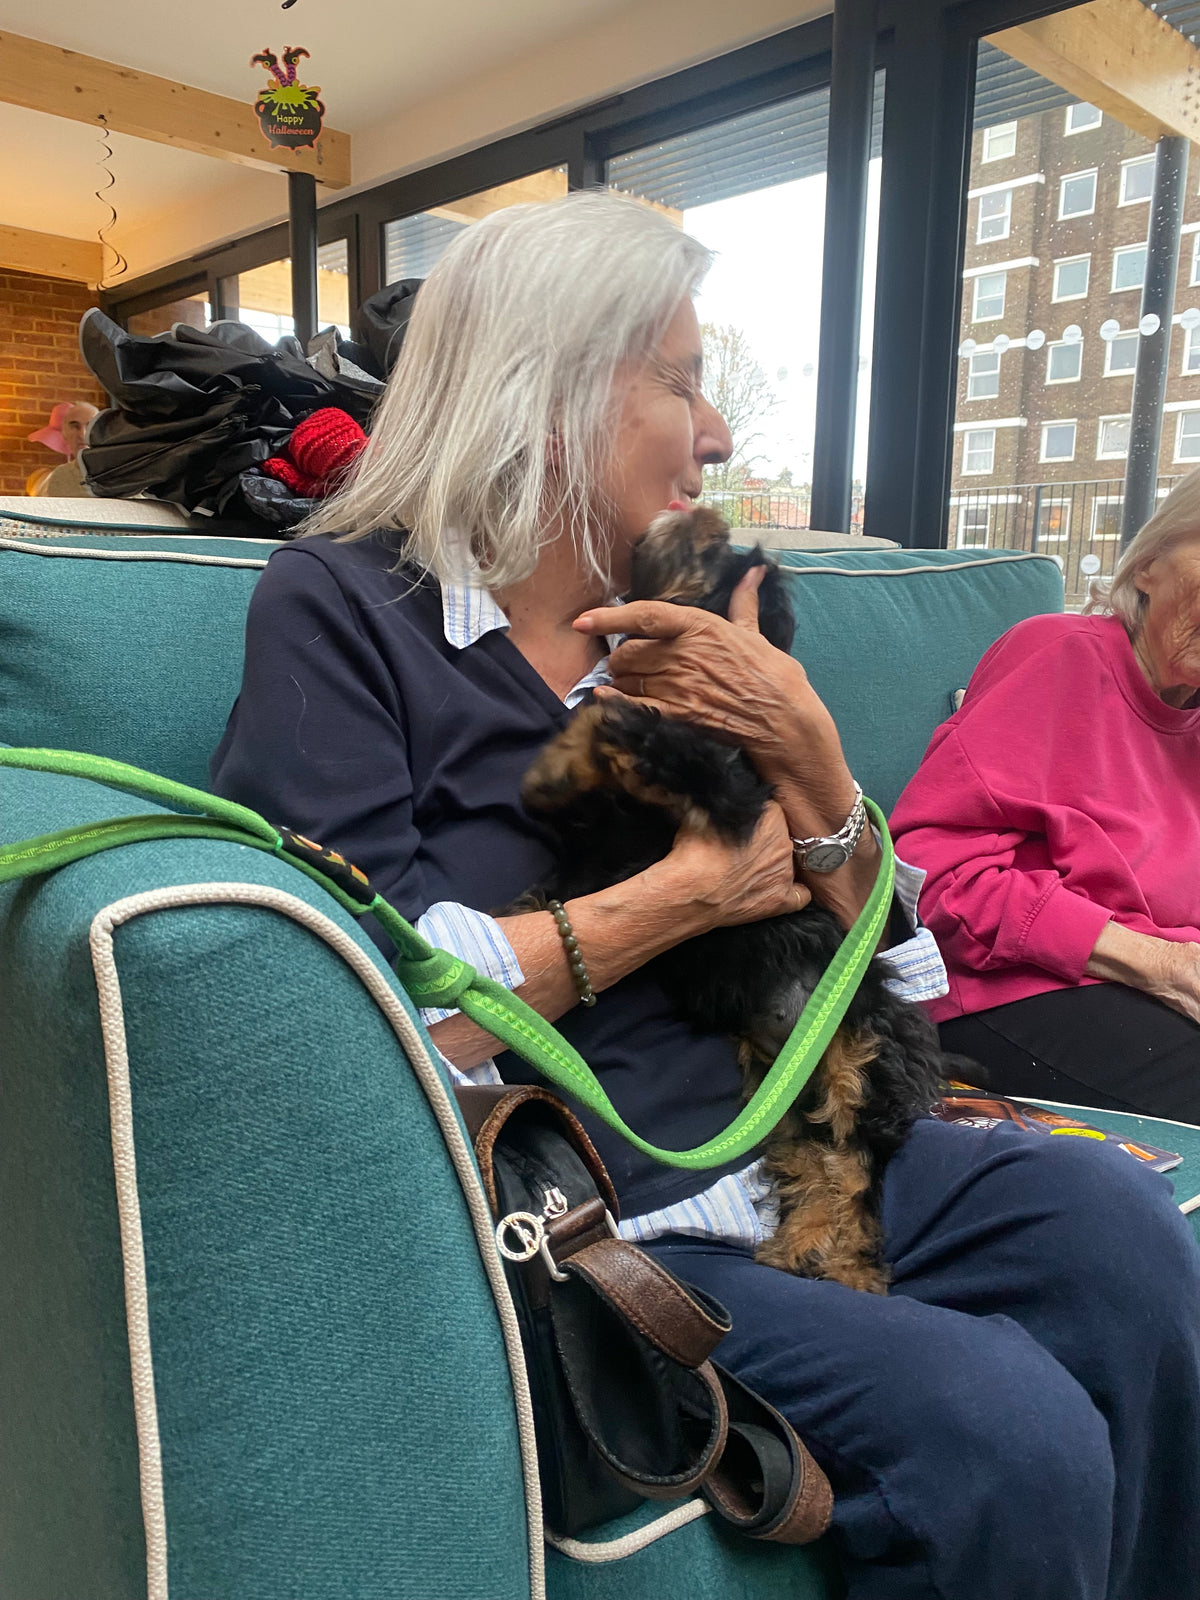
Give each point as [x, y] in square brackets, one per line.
[333, 1398]
[887, 636]
[127, 646]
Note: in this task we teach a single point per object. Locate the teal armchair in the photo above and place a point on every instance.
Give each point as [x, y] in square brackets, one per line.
[254, 1336]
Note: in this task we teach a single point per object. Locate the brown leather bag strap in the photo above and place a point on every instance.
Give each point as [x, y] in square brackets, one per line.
[486, 1108]
[651, 1300]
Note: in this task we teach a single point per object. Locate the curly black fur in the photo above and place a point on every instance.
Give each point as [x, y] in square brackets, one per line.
[612, 790]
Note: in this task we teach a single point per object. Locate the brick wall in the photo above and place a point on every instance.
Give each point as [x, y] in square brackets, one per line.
[39, 365]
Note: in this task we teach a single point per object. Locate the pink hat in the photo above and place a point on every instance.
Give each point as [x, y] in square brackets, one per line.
[51, 434]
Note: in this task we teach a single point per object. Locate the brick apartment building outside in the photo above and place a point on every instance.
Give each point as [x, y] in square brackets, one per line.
[1057, 216]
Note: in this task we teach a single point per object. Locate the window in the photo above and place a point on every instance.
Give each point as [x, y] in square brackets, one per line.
[1058, 441]
[989, 296]
[973, 520]
[1064, 362]
[412, 245]
[995, 216]
[1120, 355]
[1081, 117]
[983, 376]
[1195, 278]
[1187, 437]
[1053, 523]
[979, 450]
[1077, 195]
[1000, 141]
[1129, 267]
[1191, 350]
[1106, 518]
[1137, 180]
[1071, 278]
[1112, 441]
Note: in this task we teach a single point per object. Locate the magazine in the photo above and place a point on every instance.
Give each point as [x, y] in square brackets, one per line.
[979, 1109]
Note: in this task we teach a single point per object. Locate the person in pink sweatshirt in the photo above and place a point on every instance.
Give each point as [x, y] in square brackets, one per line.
[1057, 816]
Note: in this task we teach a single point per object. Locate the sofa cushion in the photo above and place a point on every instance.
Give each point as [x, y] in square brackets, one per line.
[888, 636]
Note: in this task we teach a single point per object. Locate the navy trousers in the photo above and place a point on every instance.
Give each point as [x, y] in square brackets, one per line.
[1019, 1418]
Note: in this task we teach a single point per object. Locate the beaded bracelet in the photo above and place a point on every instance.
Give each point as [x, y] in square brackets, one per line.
[579, 972]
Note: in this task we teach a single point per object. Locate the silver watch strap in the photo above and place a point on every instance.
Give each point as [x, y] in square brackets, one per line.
[847, 835]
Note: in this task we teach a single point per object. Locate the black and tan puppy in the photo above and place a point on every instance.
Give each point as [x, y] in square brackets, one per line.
[611, 791]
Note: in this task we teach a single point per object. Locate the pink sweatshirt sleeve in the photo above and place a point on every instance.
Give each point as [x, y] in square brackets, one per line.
[984, 908]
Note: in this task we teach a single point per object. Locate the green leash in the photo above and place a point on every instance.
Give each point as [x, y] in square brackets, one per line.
[434, 977]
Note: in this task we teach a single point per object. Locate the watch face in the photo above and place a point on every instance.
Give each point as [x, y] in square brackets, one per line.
[826, 858]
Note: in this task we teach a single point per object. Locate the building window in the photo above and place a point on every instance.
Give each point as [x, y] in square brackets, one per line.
[1081, 117]
[1112, 441]
[995, 216]
[990, 290]
[1106, 518]
[1195, 278]
[983, 376]
[1077, 195]
[1071, 277]
[1058, 441]
[1137, 180]
[1187, 436]
[1129, 267]
[1000, 141]
[979, 450]
[1120, 355]
[973, 522]
[1191, 350]
[1064, 362]
[1053, 522]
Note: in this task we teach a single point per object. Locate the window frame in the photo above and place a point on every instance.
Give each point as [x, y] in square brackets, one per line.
[994, 238]
[1063, 344]
[963, 509]
[1087, 127]
[994, 372]
[1070, 261]
[1126, 250]
[1069, 422]
[1063, 536]
[1119, 372]
[1112, 455]
[995, 316]
[1069, 177]
[989, 134]
[978, 472]
[1126, 167]
[1191, 346]
[1194, 276]
[1179, 456]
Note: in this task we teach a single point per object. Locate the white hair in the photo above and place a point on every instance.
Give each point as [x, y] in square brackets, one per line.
[496, 425]
[1177, 518]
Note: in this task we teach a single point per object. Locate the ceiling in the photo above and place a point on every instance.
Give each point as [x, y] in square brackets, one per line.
[372, 58]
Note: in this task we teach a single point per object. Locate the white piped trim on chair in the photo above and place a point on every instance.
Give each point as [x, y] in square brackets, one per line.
[928, 566]
[116, 1057]
[631, 1543]
[188, 559]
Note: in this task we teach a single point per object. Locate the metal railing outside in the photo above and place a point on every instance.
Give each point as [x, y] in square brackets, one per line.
[775, 508]
[1065, 520]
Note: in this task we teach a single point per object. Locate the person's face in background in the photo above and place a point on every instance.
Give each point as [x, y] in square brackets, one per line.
[75, 426]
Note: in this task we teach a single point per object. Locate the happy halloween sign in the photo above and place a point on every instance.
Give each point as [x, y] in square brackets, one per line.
[289, 113]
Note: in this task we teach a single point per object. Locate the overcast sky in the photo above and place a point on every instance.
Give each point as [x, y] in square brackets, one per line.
[766, 280]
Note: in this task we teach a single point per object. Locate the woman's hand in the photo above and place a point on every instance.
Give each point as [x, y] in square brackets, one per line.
[724, 676]
[1168, 970]
[718, 885]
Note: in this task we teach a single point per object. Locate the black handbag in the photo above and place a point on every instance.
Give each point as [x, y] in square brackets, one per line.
[627, 1405]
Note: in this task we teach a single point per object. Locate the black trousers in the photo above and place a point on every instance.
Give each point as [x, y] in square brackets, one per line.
[1100, 1045]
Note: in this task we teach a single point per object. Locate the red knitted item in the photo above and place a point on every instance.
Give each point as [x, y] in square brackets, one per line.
[298, 482]
[325, 445]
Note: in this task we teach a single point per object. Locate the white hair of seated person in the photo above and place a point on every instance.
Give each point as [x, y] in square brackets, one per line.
[496, 422]
[1178, 517]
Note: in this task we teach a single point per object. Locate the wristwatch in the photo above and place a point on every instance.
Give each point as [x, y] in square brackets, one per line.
[829, 853]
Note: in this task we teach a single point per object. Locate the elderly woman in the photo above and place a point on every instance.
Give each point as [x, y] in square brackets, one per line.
[989, 1427]
[1057, 815]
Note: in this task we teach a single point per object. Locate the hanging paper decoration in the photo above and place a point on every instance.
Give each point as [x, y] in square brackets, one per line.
[289, 113]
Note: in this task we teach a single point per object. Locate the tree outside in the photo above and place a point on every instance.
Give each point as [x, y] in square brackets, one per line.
[738, 387]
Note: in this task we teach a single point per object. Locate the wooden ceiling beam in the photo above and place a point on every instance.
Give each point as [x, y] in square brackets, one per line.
[22, 250]
[1119, 56]
[43, 77]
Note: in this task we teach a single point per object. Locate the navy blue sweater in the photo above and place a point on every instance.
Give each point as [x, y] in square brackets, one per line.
[360, 725]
